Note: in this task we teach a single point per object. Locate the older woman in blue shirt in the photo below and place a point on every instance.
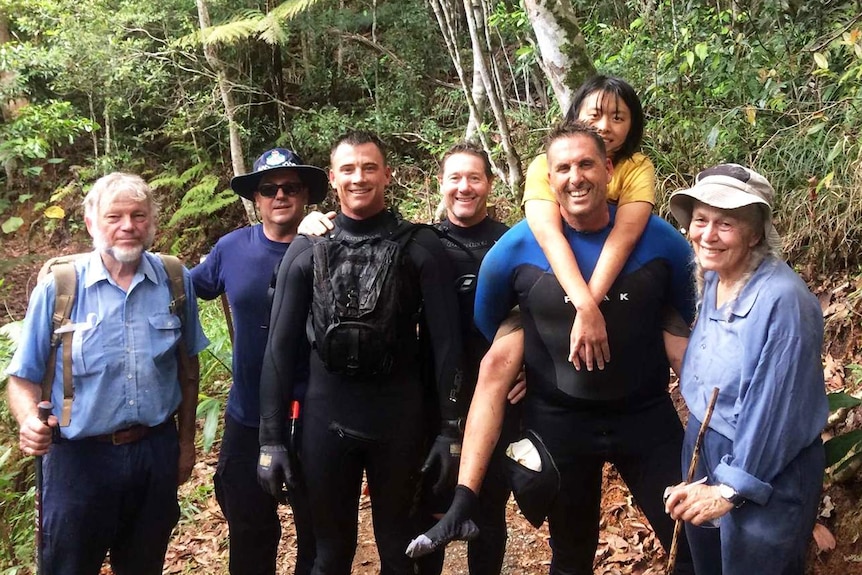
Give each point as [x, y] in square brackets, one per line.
[757, 338]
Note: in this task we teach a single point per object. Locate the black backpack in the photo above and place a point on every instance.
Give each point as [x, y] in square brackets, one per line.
[358, 288]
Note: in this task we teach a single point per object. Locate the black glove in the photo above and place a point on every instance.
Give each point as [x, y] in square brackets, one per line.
[455, 525]
[445, 454]
[274, 471]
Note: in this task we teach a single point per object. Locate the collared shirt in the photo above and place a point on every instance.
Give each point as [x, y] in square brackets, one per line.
[124, 344]
[762, 351]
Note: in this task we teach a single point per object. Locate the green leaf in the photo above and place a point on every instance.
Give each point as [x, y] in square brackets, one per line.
[702, 51]
[815, 128]
[689, 58]
[836, 150]
[840, 399]
[838, 447]
[821, 61]
[844, 464]
[12, 225]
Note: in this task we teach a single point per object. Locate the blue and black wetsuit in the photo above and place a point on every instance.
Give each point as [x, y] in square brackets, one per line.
[622, 414]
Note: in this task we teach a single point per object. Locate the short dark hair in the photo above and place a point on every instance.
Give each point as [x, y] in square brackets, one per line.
[566, 129]
[357, 138]
[465, 147]
[623, 90]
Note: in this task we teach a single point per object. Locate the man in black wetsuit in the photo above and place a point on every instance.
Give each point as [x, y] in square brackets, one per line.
[354, 423]
[465, 182]
[622, 414]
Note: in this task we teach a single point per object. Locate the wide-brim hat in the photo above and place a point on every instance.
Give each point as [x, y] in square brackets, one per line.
[727, 187]
[314, 178]
[534, 490]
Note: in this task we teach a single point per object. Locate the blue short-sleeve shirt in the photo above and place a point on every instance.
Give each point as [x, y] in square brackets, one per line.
[124, 345]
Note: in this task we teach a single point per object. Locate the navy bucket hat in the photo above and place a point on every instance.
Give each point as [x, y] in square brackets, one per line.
[314, 178]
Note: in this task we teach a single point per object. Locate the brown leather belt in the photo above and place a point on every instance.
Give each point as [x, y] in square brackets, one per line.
[130, 434]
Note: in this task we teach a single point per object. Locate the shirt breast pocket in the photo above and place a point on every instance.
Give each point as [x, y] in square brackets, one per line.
[88, 348]
[165, 330]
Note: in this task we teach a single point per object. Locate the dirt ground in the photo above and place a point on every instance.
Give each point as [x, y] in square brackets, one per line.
[627, 545]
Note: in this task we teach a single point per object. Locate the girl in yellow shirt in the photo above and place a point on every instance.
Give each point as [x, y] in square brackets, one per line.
[611, 106]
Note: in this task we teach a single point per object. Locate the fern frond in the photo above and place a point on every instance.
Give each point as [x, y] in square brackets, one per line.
[196, 170]
[287, 10]
[232, 32]
[271, 31]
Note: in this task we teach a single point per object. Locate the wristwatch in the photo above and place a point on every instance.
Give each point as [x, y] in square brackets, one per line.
[729, 493]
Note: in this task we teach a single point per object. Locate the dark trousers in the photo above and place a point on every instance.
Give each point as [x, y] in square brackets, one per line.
[251, 515]
[99, 497]
[643, 443]
[333, 474]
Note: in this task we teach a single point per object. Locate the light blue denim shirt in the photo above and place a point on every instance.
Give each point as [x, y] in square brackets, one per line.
[124, 343]
[763, 353]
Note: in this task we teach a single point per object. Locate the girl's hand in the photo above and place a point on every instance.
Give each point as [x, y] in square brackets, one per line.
[696, 503]
[316, 224]
[588, 342]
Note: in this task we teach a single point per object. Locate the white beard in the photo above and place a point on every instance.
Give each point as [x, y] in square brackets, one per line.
[123, 255]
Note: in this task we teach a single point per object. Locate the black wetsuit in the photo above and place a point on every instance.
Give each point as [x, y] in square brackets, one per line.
[353, 425]
[622, 414]
[485, 554]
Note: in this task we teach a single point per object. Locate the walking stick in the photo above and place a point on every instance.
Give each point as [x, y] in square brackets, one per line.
[45, 408]
[228, 318]
[692, 468]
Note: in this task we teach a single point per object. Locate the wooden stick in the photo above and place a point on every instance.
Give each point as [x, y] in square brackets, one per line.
[692, 468]
[225, 306]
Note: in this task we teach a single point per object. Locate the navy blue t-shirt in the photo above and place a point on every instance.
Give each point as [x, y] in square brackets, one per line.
[241, 265]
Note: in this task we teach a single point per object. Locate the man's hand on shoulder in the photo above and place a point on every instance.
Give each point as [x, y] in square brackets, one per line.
[316, 224]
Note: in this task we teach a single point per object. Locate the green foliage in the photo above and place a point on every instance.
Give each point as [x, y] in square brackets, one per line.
[200, 199]
[845, 448]
[215, 364]
[17, 511]
[37, 130]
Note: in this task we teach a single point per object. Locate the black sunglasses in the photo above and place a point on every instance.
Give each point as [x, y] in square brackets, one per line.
[289, 189]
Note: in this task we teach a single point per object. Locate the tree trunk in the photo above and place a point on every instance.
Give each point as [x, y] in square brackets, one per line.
[236, 154]
[496, 101]
[562, 48]
[480, 100]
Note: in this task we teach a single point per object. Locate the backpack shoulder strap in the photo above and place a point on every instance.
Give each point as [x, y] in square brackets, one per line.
[174, 268]
[65, 290]
[443, 235]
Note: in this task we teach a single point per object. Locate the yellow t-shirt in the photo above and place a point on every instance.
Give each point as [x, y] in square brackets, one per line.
[633, 181]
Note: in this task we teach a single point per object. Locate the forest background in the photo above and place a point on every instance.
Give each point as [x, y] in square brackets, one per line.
[189, 94]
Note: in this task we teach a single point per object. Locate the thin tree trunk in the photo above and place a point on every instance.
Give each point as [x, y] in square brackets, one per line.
[93, 132]
[236, 154]
[480, 100]
[562, 48]
[443, 12]
[473, 12]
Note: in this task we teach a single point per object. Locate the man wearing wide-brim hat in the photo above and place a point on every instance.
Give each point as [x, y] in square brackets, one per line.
[241, 265]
